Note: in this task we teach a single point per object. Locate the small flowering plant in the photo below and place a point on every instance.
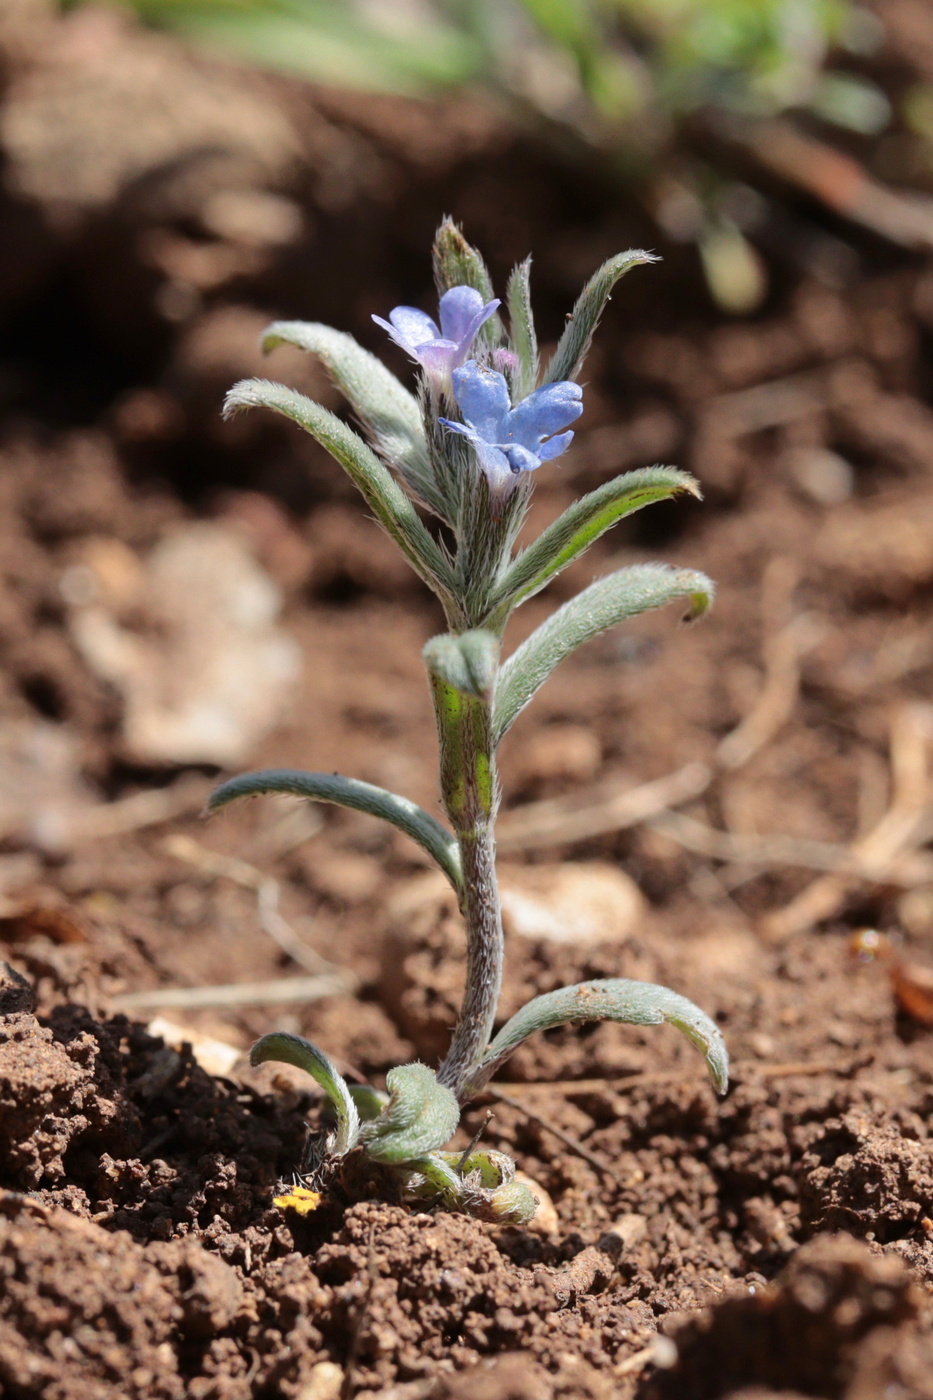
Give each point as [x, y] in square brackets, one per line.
[464, 448]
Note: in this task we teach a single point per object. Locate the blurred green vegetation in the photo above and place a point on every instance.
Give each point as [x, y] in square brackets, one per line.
[599, 65]
[624, 78]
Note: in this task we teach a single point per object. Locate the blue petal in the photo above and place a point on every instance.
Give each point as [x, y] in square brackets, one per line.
[414, 326]
[394, 334]
[546, 411]
[437, 358]
[483, 399]
[520, 459]
[554, 446]
[458, 308]
[463, 312]
[471, 331]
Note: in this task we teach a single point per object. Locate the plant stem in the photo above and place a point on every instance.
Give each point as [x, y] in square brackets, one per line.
[483, 917]
[470, 792]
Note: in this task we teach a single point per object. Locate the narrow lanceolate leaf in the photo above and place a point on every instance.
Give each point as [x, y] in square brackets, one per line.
[381, 491]
[420, 1117]
[467, 662]
[458, 264]
[612, 999]
[350, 792]
[522, 327]
[572, 533]
[390, 413]
[295, 1050]
[567, 360]
[606, 602]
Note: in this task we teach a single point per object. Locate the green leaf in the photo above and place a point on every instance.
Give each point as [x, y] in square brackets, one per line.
[511, 1204]
[386, 408]
[572, 533]
[567, 360]
[432, 1177]
[295, 1050]
[429, 833]
[492, 1169]
[522, 327]
[458, 264]
[420, 1117]
[612, 999]
[606, 602]
[369, 1101]
[382, 493]
[467, 662]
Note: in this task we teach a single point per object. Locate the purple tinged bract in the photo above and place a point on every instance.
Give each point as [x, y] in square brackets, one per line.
[439, 351]
[510, 440]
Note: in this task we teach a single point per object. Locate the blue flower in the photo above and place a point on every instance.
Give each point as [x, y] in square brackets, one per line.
[462, 312]
[510, 440]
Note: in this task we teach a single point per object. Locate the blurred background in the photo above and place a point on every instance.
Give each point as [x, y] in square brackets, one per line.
[183, 597]
[742, 810]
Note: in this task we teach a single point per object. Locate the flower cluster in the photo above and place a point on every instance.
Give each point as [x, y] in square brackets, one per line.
[506, 440]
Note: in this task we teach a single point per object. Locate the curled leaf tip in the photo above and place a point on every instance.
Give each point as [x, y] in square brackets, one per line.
[700, 603]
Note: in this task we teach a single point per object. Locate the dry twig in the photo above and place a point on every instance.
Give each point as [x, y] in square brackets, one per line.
[142, 809]
[267, 902]
[903, 217]
[279, 989]
[905, 869]
[895, 835]
[568, 1141]
[745, 1070]
[601, 810]
[783, 653]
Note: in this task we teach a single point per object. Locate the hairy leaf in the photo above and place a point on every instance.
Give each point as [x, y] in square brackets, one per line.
[522, 326]
[511, 1204]
[467, 662]
[369, 1101]
[457, 263]
[567, 360]
[420, 1117]
[350, 792]
[295, 1050]
[606, 602]
[432, 1176]
[492, 1169]
[572, 533]
[612, 999]
[390, 413]
[382, 493]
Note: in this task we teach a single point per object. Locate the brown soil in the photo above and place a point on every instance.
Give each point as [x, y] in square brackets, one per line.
[777, 1242]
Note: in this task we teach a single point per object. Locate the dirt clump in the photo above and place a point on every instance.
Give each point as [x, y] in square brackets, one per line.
[866, 1176]
[830, 1325]
[53, 1097]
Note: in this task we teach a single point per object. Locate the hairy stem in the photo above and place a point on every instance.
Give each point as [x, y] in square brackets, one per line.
[470, 792]
[483, 917]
